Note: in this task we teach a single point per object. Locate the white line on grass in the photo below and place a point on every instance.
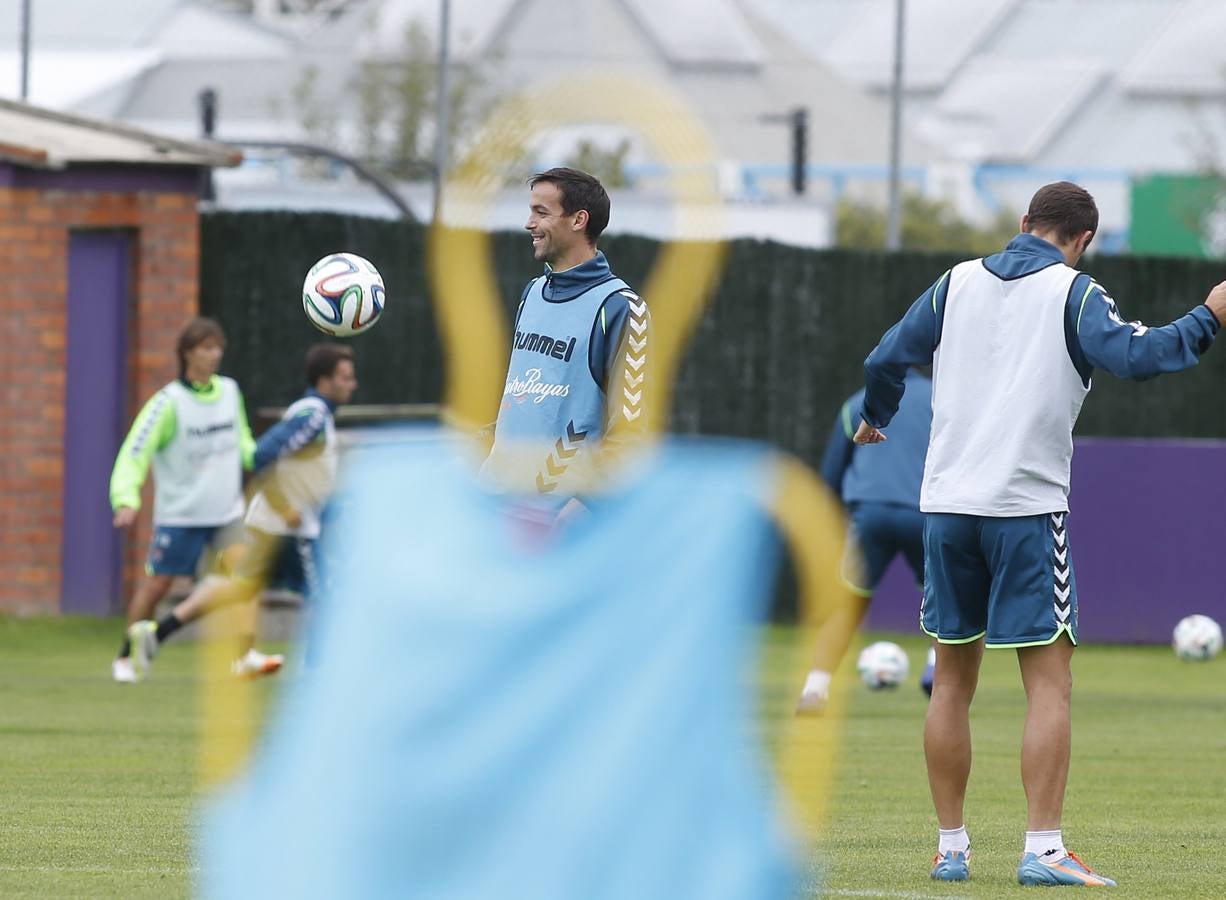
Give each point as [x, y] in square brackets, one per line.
[908, 895]
[98, 870]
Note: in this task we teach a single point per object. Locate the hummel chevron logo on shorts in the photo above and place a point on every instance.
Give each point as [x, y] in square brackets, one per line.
[1062, 569]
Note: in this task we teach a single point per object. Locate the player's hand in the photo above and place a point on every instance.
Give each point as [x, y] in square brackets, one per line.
[867, 434]
[124, 516]
[1216, 301]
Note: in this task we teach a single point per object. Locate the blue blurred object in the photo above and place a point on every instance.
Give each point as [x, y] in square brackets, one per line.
[502, 710]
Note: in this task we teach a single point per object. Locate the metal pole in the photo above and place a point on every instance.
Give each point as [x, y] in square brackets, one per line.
[442, 125]
[893, 227]
[207, 100]
[25, 50]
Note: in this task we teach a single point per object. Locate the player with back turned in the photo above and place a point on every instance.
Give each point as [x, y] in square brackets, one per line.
[1013, 340]
[880, 491]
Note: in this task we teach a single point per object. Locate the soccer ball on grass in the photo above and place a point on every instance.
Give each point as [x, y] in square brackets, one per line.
[1197, 637]
[882, 665]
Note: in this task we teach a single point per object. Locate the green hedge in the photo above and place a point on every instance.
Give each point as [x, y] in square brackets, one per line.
[778, 350]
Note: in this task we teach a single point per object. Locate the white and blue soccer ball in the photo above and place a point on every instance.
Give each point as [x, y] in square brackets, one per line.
[930, 668]
[1197, 638]
[882, 665]
[343, 294]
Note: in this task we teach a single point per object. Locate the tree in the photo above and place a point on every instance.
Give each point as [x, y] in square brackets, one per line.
[926, 225]
[607, 164]
[397, 105]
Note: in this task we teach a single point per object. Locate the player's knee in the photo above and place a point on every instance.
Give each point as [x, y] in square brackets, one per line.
[955, 684]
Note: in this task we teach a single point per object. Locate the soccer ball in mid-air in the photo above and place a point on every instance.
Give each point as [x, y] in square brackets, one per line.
[882, 665]
[1197, 637]
[343, 294]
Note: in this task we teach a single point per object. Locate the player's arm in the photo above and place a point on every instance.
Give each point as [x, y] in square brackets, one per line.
[840, 447]
[153, 429]
[618, 360]
[270, 487]
[1099, 338]
[289, 436]
[246, 443]
[911, 342]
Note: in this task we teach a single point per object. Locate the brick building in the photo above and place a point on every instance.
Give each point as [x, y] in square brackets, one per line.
[99, 266]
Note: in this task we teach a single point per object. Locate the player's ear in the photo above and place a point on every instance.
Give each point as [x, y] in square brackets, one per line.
[580, 223]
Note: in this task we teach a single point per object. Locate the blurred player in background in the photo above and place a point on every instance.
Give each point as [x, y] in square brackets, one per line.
[880, 490]
[580, 333]
[1013, 339]
[301, 450]
[194, 432]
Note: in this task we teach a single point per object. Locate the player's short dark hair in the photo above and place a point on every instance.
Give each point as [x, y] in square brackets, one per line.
[579, 191]
[322, 360]
[1064, 207]
[195, 333]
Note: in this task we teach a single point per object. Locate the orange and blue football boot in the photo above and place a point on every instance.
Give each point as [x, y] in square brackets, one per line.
[952, 865]
[1067, 870]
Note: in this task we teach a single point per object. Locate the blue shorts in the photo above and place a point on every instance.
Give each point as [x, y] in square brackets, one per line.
[273, 559]
[878, 532]
[1007, 580]
[176, 549]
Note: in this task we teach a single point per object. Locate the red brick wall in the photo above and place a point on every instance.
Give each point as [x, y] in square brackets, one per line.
[34, 226]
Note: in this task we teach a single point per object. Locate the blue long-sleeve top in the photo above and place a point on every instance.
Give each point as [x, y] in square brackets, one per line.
[887, 473]
[1096, 335]
[293, 433]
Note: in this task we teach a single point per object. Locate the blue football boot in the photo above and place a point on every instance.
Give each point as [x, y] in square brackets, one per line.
[1067, 870]
[952, 865]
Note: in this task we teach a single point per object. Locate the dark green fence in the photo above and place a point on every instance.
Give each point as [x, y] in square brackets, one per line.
[779, 348]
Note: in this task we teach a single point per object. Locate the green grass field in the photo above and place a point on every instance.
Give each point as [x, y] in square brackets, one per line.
[97, 778]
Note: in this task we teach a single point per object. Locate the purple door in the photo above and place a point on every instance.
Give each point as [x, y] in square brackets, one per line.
[99, 277]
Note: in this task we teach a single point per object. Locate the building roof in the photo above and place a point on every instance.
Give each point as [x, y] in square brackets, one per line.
[940, 36]
[1186, 57]
[1136, 85]
[969, 113]
[75, 79]
[31, 136]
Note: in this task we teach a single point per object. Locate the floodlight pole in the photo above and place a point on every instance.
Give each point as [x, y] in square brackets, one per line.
[25, 50]
[442, 125]
[893, 227]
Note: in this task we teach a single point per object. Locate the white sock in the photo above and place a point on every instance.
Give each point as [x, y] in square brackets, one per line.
[817, 683]
[953, 839]
[1046, 845]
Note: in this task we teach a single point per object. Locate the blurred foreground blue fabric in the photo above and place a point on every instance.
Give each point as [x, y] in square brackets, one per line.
[495, 715]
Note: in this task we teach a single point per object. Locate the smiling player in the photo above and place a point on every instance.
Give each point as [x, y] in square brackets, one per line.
[578, 328]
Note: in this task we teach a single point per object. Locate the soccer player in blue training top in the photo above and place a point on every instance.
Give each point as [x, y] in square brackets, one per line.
[880, 489]
[194, 433]
[1013, 339]
[301, 450]
[580, 334]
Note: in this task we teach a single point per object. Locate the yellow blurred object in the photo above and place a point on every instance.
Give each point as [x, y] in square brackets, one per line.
[476, 342]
